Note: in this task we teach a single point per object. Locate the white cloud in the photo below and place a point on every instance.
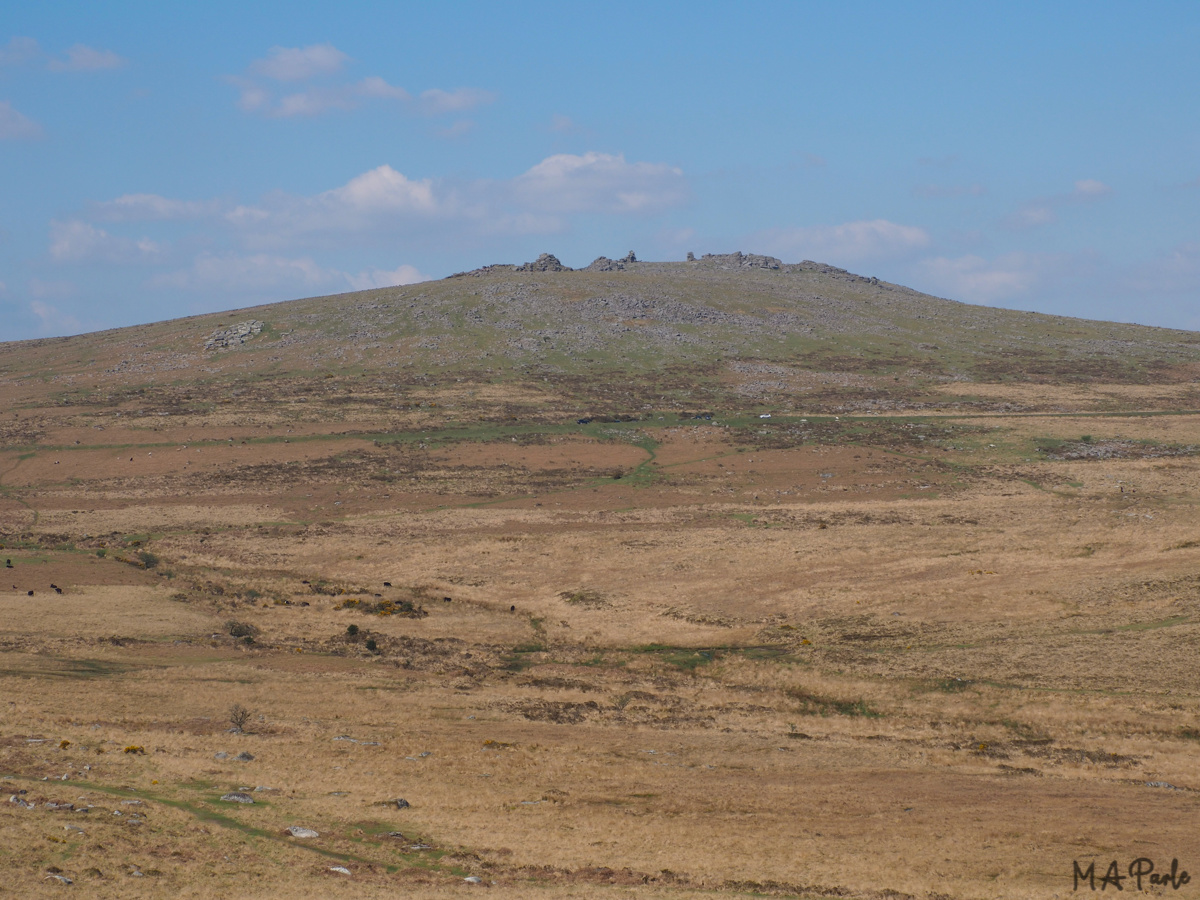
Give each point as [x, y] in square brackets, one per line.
[599, 182]
[561, 124]
[82, 58]
[436, 101]
[51, 321]
[19, 50]
[149, 207]
[379, 278]
[381, 189]
[76, 241]
[845, 244]
[299, 63]
[15, 126]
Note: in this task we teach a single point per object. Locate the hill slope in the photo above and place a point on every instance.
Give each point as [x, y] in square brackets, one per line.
[680, 332]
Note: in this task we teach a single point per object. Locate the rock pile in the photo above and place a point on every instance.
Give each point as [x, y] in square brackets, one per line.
[547, 262]
[604, 264]
[231, 337]
[739, 260]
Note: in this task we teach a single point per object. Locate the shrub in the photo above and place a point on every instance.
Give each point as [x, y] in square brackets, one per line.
[238, 717]
[102, 553]
[136, 749]
[372, 646]
[240, 629]
[352, 630]
[149, 560]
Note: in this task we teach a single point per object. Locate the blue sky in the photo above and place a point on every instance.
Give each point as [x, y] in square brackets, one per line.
[159, 160]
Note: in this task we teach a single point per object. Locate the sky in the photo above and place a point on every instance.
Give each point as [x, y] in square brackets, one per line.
[162, 160]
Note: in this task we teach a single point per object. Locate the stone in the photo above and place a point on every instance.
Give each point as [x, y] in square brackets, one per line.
[628, 258]
[691, 257]
[234, 335]
[244, 756]
[221, 755]
[237, 797]
[341, 870]
[299, 831]
[473, 879]
[60, 878]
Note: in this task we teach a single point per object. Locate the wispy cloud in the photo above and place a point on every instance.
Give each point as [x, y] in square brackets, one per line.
[436, 101]
[1009, 276]
[19, 50]
[152, 207]
[943, 191]
[1044, 210]
[380, 278]
[299, 63]
[845, 244]
[599, 183]
[76, 241]
[15, 126]
[81, 58]
[52, 321]
[292, 65]
[275, 273]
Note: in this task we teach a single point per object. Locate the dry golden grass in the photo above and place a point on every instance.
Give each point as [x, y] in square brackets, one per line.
[678, 660]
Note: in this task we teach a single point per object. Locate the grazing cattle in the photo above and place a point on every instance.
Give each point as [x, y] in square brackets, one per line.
[8, 564]
[387, 584]
[58, 590]
[29, 593]
[512, 608]
[446, 599]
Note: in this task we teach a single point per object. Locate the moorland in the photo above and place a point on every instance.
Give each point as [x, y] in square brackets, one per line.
[704, 579]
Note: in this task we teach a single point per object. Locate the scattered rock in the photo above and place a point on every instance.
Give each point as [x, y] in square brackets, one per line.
[231, 337]
[628, 258]
[299, 831]
[401, 803]
[61, 878]
[473, 879]
[691, 257]
[221, 755]
[237, 797]
[341, 870]
[244, 756]
[21, 802]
